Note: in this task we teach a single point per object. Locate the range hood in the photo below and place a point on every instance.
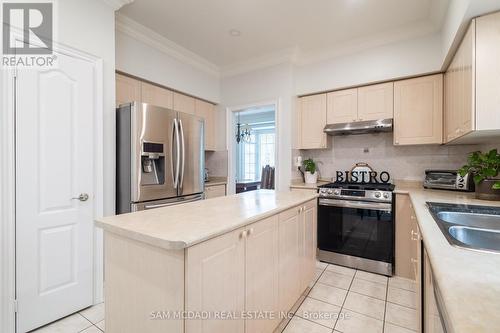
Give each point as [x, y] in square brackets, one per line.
[359, 127]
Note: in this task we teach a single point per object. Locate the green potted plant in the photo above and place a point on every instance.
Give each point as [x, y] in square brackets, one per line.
[484, 167]
[311, 172]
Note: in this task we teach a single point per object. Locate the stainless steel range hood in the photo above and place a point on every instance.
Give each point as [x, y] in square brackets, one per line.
[359, 127]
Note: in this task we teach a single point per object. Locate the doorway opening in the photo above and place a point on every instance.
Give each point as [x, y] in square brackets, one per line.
[254, 137]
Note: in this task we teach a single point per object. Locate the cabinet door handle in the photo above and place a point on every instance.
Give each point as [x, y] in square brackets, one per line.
[415, 236]
[243, 234]
[250, 232]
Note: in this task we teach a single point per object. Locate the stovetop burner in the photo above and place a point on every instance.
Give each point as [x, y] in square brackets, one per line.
[360, 186]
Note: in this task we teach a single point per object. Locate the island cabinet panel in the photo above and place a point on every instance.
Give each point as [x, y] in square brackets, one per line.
[215, 283]
[262, 271]
[289, 257]
[158, 96]
[376, 102]
[418, 110]
[142, 281]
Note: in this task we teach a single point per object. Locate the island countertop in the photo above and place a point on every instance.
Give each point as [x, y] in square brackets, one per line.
[181, 226]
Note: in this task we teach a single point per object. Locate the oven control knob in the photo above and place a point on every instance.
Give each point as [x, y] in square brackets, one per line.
[336, 192]
[330, 191]
[386, 195]
[377, 194]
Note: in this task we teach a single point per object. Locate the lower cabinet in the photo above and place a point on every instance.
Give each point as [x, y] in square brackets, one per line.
[215, 282]
[260, 269]
[215, 191]
[433, 322]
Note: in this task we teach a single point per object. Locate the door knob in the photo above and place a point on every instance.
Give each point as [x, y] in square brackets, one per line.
[82, 197]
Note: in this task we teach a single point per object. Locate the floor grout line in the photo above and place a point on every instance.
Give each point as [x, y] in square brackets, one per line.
[385, 305]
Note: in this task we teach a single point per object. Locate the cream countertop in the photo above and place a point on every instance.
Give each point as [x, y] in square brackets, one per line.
[298, 183]
[182, 226]
[468, 281]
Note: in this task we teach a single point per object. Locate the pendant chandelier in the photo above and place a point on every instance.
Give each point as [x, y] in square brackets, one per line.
[243, 132]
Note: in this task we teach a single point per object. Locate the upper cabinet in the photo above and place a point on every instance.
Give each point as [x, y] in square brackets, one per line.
[311, 122]
[184, 103]
[342, 106]
[376, 102]
[472, 83]
[418, 110]
[206, 111]
[157, 96]
[127, 89]
[361, 104]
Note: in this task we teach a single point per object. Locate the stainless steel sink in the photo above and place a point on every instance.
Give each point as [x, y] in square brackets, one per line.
[482, 239]
[487, 221]
[468, 226]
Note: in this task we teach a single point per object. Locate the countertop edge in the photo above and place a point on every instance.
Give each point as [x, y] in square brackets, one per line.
[179, 245]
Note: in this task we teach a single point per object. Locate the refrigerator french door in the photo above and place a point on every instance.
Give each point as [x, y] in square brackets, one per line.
[160, 157]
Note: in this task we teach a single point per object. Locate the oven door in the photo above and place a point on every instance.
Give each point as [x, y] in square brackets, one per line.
[356, 228]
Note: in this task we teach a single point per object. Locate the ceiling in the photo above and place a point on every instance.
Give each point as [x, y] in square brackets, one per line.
[273, 26]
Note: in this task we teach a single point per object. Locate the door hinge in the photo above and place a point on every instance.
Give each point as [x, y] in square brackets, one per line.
[16, 306]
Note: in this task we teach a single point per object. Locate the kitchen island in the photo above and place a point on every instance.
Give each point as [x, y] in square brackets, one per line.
[229, 264]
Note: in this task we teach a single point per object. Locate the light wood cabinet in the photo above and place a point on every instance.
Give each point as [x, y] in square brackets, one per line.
[158, 96]
[488, 73]
[418, 110]
[127, 90]
[262, 274]
[308, 218]
[215, 282]
[184, 103]
[206, 111]
[215, 191]
[459, 90]
[264, 266]
[311, 122]
[472, 82]
[342, 106]
[403, 225]
[433, 322]
[376, 102]
[289, 257]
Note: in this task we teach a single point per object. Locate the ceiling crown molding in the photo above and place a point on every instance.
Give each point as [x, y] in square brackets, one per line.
[117, 4]
[157, 41]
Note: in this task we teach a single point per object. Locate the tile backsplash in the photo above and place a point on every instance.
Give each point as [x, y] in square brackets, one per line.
[216, 163]
[402, 162]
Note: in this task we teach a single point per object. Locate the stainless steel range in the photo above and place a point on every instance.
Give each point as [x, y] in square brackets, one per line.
[356, 226]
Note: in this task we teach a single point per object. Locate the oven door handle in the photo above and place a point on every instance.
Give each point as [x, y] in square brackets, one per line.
[386, 207]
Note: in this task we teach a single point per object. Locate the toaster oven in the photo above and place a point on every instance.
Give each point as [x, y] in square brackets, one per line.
[448, 180]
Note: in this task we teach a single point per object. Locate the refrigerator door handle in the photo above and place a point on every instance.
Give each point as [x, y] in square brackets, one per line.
[183, 154]
[175, 137]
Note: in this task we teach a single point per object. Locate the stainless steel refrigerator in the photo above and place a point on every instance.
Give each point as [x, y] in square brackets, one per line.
[159, 157]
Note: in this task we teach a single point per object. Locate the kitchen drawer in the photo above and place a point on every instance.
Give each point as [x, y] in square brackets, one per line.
[215, 191]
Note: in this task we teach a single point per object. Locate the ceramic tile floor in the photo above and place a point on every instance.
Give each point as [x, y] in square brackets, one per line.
[351, 301]
[341, 300]
[89, 320]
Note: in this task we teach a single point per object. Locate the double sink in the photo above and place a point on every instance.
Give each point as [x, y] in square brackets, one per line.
[468, 226]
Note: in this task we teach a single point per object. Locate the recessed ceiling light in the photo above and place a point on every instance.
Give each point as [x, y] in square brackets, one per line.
[235, 32]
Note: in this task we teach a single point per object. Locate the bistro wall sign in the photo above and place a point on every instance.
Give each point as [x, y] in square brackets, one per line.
[362, 173]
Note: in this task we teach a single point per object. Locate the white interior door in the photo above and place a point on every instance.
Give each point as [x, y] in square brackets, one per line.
[54, 163]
